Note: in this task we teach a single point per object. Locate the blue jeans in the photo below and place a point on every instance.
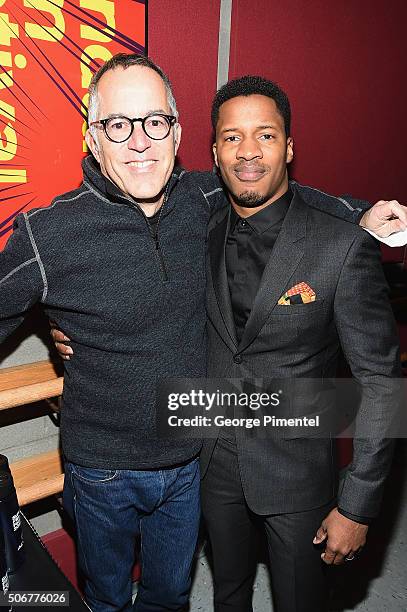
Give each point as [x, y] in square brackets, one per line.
[111, 509]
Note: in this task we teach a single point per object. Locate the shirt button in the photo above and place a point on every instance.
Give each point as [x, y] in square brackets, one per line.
[237, 358]
[243, 223]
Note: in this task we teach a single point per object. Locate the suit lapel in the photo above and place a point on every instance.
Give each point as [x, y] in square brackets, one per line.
[217, 242]
[285, 257]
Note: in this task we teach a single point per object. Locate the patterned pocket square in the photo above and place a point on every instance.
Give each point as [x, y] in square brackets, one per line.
[299, 294]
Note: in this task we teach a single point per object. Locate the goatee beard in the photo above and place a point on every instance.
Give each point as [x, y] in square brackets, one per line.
[250, 199]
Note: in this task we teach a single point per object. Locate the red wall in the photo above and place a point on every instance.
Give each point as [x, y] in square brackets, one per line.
[183, 40]
[343, 65]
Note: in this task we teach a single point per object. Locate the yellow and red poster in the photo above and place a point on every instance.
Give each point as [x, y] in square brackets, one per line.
[49, 50]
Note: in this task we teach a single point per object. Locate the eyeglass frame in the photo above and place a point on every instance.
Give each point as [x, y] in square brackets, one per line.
[171, 120]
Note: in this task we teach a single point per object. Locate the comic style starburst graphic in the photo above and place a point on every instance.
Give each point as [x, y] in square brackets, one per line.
[49, 50]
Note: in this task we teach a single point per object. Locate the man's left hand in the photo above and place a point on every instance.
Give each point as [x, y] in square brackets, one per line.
[385, 218]
[344, 538]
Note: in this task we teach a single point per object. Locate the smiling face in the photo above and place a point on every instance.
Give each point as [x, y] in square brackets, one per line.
[252, 152]
[140, 167]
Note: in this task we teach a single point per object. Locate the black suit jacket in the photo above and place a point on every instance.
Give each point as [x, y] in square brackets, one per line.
[342, 264]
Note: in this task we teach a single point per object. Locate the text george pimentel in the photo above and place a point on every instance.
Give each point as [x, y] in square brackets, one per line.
[244, 422]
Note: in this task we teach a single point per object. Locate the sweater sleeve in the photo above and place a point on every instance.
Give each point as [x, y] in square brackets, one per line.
[344, 207]
[22, 277]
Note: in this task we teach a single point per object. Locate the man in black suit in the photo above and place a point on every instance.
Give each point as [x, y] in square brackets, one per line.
[288, 286]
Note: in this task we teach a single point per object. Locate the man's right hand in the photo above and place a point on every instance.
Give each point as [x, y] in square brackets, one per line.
[59, 339]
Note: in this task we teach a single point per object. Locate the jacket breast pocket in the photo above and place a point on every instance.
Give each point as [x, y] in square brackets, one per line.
[298, 309]
[297, 324]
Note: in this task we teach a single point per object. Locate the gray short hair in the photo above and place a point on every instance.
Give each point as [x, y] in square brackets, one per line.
[125, 60]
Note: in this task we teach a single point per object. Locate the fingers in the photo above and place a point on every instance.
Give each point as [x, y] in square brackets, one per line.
[334, 556]
[58, 336]
[331, 557]
[64, 350]
[394, 225]
[389, 227]
[399, 211]
[59, 339]
[385, 218]
[343, 538]
[321, 535]
[391, 210]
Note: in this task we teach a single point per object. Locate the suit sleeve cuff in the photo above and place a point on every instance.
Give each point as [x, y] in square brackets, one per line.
[363, 520]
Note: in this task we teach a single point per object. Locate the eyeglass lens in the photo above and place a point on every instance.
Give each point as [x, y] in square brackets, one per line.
[119, 129]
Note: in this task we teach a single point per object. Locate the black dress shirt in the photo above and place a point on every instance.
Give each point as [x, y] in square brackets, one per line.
[248, 249]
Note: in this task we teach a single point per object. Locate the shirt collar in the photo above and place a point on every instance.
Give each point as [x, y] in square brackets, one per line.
[268, 216]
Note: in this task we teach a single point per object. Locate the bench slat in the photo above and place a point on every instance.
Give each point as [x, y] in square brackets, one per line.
[27, 374]
[27, 394]
[38, 476]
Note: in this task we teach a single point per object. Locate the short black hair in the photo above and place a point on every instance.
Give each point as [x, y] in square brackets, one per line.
[248, 86]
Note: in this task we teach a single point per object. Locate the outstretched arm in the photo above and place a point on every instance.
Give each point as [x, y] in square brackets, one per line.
[383, 219]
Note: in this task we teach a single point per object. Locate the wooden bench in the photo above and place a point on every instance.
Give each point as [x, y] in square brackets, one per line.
[29, 383]
[41, 475]
[38, 476]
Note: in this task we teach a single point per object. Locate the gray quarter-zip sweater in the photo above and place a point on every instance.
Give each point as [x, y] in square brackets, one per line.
[133, 307]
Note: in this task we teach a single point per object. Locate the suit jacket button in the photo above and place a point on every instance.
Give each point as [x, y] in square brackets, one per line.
[237, 358]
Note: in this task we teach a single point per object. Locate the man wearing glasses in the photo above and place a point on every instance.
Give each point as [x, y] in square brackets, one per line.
[119, 265]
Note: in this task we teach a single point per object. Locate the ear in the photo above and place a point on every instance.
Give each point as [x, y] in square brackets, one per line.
[92, 144]
[290, 150]
[177, 137]
[215, 154]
